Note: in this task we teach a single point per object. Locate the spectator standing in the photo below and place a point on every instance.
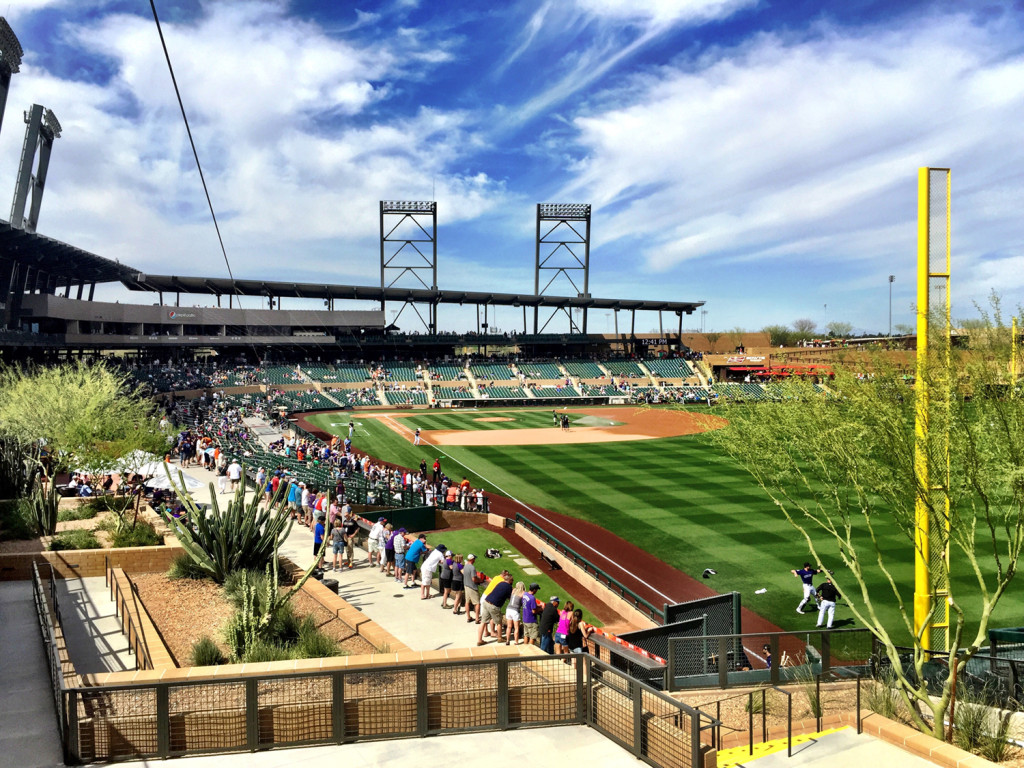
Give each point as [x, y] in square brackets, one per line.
[374, 544]
[469, 580]
[492, 604]
[337, 542]
[318, 540]
[458, 583]
[430, 566]
[351, 527]
[514, 613]
[562, 629]
[531, 630]
[234, 474]
[400, 546]
[412, 559]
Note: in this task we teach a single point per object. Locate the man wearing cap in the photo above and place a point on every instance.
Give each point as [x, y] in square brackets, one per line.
[375, 545]
[293, 498]
[350, 525]
[492, 605]
[548, 620]
[469, 580]
[429, 568]
[412, 559]
[531, 631]
[399, 543]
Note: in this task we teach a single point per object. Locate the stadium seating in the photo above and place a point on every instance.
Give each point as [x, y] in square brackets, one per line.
[555, 392]
[448, 372]
[400, 372]
[540, 370]
[452, 393]
[584, 369]
[600, 390]
[624, 368]
[350, 373]
[502, 392]
[737, 391]
[354, 397]
[673, 368]
[645, 394]
[405, 397]
[492, 371]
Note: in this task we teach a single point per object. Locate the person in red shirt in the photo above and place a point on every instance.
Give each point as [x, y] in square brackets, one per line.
[437, 469]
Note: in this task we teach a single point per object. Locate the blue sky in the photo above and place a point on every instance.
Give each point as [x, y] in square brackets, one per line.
[759, 156]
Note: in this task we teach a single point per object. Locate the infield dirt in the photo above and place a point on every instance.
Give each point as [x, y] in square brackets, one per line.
[634, 424]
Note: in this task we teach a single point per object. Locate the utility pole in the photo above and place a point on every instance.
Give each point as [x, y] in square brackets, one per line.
[892, 279]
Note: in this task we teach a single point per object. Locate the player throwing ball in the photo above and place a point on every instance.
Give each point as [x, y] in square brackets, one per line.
[806, 575]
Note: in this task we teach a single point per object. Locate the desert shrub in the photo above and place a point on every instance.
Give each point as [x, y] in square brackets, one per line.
[16, 521]
[758, 706]
[205, 653]
[142, 535]
[969, 725]
[263, 650]
[313, 643]
[996, 744]
[74, 540]
[81, 512]
[184, 567]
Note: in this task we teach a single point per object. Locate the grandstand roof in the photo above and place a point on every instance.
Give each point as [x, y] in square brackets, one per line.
[225, 286]
[59, 259]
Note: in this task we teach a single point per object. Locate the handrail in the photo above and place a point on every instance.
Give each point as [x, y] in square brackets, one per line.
[789, 719]
[136, 640]
[657, 614]
[49, 622]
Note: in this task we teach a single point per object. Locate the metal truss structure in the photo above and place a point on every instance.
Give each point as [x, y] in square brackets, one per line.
[563, 249]
[408, 252]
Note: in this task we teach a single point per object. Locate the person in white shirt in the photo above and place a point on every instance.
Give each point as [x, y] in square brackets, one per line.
[234, 474]
[375, 545]
[430, 564]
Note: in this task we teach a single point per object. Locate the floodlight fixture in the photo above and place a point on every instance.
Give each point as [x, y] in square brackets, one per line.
[10, 49]
[565, 211]
[408, 206]
[51, 123]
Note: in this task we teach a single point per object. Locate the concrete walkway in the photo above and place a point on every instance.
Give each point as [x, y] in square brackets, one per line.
[843, 749]
[565, 745]
[91, 627]
[28, 725]
[420, 624]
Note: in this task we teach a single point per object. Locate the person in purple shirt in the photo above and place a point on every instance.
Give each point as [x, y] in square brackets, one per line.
[531, 630]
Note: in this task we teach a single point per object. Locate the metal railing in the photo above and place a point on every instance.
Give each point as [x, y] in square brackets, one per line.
[644, 606]
[126, 606]
[48, 614]
[732, 660]
[186, 717]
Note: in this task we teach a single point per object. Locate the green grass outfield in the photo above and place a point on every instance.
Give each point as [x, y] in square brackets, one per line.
[679, 498]
[516, 419]
[479, 540]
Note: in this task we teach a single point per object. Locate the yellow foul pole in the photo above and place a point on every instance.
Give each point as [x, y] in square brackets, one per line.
[931, 458]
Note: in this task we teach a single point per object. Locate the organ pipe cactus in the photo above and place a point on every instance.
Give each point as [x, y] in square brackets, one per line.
[243, 536]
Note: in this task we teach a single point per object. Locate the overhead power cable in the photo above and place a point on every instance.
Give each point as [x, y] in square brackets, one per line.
[184, 117]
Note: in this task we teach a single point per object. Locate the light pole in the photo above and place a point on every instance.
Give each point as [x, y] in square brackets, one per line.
[826, 318]
[892, 279]
[703, 318]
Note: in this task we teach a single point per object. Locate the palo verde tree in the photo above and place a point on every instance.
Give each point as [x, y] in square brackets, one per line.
[841, 469]
[72, 416]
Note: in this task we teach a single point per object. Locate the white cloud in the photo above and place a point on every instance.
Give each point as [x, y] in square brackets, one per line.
[662, 12]
[808, 150]
[286, 122]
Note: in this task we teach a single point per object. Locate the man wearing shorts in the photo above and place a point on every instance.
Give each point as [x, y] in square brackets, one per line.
[492, 605]
[806, 575]
[429, 569]
[531, 630]
[351, 527]
[374, 543]
[412, 559]
[470, 586]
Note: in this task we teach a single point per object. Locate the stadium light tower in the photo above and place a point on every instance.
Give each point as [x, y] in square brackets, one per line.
[563, 249]
[10, 62]
[41, 129]
[892, 279]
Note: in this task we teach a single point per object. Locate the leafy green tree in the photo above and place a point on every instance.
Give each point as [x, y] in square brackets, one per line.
[778, 335]
[841, 469]
[72, 416]
[839, 329]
